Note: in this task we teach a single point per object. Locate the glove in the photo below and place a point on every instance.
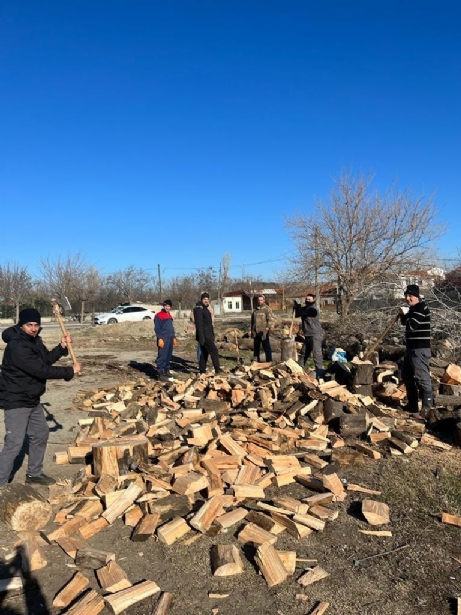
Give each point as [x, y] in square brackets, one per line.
[160, 343]
[175, 342]
[404, 310]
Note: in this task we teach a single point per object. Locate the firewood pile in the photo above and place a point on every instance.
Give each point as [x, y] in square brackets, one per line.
[209, 455]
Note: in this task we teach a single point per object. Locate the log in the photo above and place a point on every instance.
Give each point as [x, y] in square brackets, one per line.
[452, 374]
[132, 595]
[31, 553]
[204, 518]
[288, 347]
[254, 535]
[362, 373]
[122, 503]
[376, 513]
[172, 531]
[93, 558]
[353, 424]
[332, 409]
[145, 528]
[225, 560]
[23, 508]
[115, 456]
[448, 401]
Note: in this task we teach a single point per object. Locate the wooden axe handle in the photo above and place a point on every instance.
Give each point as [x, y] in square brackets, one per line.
[57, 313]
[373, 347]
[292, 322]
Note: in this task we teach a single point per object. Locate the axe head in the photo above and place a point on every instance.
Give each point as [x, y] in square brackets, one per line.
[63, 304]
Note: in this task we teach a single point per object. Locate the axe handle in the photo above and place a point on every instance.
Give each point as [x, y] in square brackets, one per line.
[373, 347]
[64, 332]
[292, 323]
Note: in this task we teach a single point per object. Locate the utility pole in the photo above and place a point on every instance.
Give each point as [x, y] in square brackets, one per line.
[159, 283]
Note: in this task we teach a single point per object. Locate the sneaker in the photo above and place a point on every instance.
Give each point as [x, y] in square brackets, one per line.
[43, 479]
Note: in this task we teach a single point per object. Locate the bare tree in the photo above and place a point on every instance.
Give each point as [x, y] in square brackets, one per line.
[70, 277]
[15, 285]
[359, 238]
[224, 279]
[132, 283]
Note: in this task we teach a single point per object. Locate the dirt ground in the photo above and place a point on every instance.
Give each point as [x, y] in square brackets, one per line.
[417, 570]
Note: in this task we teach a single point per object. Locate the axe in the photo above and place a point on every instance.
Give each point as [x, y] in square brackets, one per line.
[367, 354]
[57, 312]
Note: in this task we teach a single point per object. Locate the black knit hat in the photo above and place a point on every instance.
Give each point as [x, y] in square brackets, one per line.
[412, 289]
[204, 296]
[29, 315]
[168, 302]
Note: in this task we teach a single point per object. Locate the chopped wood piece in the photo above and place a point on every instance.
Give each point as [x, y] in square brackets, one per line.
[429, 440]
[255, 535]
[225, 560]
[115, 456]
[333, 483]
[383, 533]
[93, 558]
[288, 560]
[190, 483]
[360, 489]
[400, 446]
[310, 521]
[90, 603]
[312, 576]
[376, 513]
[172, 531]
[145, 528]
[368, 451]
[204, 518]
[322, 512]
[71, 590]
[452, 374]
[11, 584]
[112, 578]
[163, 605]
[132, 595]
[133, 516]
[96, 526]
[122, 503]
[31, 553]
[451, 519]
[297, 530]
[248, 491]
[231, 518]
[270, 565]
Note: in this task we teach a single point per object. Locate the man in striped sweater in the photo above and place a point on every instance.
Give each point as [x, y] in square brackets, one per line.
[415, 371]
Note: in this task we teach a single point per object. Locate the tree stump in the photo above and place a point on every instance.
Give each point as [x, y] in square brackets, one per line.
[363, 373]
[289, 349]
[23, 508]
[116, 455]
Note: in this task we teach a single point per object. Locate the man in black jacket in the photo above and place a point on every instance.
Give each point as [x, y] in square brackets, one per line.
[204, 334]
[313, 334]
[415, 371]
[27, 365]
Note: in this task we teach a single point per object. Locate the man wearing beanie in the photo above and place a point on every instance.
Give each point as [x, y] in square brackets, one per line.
[27, 365]
[415, 371]
[204, 334]
[166, 339]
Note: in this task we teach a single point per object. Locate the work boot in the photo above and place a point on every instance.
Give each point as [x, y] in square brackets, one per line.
[162, 377]
[42, 479]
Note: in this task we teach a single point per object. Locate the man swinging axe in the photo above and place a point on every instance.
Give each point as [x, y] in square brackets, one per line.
[313, 333]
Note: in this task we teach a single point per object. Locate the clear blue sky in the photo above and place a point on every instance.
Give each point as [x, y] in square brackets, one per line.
[171, 132]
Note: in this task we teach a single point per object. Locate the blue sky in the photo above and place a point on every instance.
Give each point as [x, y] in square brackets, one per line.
[146, 132]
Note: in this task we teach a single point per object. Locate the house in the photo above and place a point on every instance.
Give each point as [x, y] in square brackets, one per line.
[242, 301]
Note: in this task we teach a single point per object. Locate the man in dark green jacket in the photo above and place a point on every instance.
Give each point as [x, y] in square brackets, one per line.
[26, 366]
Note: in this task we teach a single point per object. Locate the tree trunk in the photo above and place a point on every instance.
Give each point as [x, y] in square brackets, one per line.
[289, 349]
[23, 508]
[116, 455]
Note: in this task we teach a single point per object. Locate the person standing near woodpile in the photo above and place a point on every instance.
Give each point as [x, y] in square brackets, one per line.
[313, 333]
[262, 321]
[204, 334]
[192, 319]
[166, 340]
[415, 370]
[26, 366]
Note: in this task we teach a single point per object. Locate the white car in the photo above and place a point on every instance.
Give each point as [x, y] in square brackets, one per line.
[124, 313]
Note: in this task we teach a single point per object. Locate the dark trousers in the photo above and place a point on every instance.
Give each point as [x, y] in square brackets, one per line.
[208, 349]
[417, 379]
[20, 422]
[312, 345]
[164, 355]
[258, 341]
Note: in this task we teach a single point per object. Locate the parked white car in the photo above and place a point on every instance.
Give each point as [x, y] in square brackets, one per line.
[124, 313]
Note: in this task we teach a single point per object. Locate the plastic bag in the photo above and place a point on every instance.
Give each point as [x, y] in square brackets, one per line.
[339, 355]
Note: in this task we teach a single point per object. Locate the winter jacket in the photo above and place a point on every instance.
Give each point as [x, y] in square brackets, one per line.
[27, 365]
[309, 320]
[417, 323]
[163, 324]
[203, 319]
[261, 319]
